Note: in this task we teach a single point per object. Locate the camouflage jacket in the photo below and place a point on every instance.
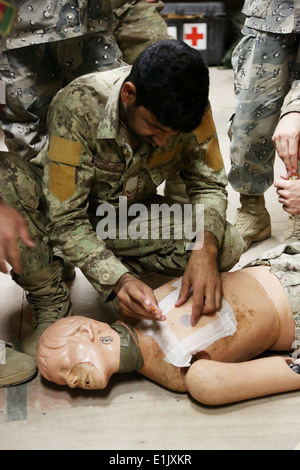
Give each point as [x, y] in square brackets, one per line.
[53, 20]
[88, 161]
[274, 16]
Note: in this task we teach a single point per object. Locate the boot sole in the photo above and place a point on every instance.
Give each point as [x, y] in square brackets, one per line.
[18, 379]
[264, 235]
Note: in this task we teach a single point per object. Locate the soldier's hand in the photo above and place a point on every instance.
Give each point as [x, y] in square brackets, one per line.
[287, 141]
[137, 299]
[12, 227]
[203, 278]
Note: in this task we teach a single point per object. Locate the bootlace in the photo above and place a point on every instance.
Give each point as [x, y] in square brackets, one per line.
[242, 219]
[250, 208]
[49, 307]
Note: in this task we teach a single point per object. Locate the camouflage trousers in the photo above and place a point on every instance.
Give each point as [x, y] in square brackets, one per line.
[264, 66]
[22, 189]
[34, 74]
[138, 25]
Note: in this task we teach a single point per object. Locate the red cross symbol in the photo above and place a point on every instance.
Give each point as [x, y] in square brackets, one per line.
[195, 36]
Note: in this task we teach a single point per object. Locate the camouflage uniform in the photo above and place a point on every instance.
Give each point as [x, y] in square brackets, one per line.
[88, 161]
[55, 42]
[284, 262]
[137, 26]
[265, 63]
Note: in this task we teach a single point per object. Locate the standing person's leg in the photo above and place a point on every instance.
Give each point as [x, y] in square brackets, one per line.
[31, 79]
[262, 67]
[86, 54]
[33, 75]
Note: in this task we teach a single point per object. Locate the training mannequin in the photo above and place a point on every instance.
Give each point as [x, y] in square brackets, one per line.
[81, 352]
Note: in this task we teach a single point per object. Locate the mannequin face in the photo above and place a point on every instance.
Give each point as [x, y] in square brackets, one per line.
[79, 352]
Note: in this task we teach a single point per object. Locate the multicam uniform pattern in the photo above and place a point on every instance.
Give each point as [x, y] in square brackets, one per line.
[266, 63]
[55, 42]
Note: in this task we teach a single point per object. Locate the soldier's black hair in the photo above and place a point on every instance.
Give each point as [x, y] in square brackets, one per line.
[172, 82]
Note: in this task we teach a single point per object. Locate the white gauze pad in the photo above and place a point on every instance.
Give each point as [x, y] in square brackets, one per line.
[177, 351]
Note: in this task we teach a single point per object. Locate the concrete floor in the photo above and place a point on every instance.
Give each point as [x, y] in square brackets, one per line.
[134, 413]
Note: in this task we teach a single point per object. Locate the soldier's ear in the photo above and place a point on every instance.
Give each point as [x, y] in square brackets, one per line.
[128, 93]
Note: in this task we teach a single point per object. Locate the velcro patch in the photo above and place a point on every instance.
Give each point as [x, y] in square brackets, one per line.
[213, 156]
[206, 129]
[62, 181]
[64, 151]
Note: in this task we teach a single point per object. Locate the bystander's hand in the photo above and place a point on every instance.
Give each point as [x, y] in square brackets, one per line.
[287, 141]
[289, 195]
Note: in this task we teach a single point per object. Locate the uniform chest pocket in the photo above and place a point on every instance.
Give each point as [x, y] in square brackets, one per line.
[107, 175]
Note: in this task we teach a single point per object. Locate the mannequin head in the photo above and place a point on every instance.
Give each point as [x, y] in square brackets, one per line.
[79, 352]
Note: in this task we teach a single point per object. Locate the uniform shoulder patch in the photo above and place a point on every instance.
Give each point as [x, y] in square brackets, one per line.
[64, 151]
[213, 156]
[206, 128]
[161, 158]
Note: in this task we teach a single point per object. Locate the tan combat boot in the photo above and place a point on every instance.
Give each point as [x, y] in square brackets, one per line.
[49, 297]
[15, 367]
[253, 220]
[293, 230]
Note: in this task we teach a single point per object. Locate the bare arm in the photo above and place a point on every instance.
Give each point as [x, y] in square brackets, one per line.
[218, 383]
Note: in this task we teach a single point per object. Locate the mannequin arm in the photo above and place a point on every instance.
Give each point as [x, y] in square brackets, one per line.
[217, 383]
